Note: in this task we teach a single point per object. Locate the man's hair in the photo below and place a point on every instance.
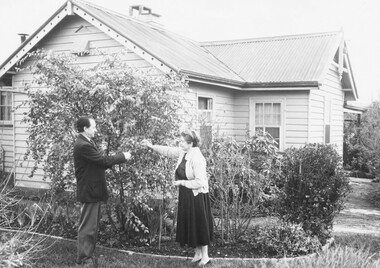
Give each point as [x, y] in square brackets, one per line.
[83, 121]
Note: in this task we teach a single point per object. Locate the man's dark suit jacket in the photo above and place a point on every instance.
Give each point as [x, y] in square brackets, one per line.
[90, 168]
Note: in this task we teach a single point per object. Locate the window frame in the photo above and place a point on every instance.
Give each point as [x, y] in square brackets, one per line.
[212, 110]
[252, 123]
[8, 90]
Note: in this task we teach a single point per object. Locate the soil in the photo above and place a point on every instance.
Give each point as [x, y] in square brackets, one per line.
[359, 215]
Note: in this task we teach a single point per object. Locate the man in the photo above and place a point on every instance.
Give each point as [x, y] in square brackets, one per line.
[90, 165]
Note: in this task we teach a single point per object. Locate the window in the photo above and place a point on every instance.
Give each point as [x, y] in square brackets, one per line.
[205, 115]
[268, 119]
[5, 107]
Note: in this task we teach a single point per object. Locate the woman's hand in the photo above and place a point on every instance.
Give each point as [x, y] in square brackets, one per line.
[146, 143]
[178, 183]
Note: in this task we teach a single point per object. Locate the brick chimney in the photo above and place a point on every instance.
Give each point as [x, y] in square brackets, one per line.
[144, 13]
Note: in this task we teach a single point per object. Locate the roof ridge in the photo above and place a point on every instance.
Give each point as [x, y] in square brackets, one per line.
[125, 16]
[267, 39]
[122, 15]
[162, 29]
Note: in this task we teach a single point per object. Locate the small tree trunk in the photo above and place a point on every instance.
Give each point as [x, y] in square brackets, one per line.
[174, 222]
[160, 228]
[222, 221]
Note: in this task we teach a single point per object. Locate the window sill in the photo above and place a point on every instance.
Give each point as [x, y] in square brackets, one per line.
[6, 125]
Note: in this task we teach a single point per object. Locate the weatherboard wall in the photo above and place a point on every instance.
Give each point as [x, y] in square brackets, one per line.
[233, 111]
[224, 122]
[294, 131]
[326, 106]
[6, 143]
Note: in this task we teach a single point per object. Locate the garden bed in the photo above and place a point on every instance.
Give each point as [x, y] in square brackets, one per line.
[168, 248]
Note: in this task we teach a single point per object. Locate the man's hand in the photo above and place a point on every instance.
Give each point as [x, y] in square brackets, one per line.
[127, 155]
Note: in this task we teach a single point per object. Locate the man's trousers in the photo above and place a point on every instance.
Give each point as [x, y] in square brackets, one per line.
[88, 230]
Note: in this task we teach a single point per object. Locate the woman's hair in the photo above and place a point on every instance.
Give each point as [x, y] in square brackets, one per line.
[191, 136]
[83, 121]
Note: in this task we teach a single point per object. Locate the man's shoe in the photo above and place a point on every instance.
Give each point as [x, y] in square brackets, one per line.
[95, 262]
[83, 261]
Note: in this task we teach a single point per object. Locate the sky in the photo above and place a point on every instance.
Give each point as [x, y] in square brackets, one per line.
[210, 20]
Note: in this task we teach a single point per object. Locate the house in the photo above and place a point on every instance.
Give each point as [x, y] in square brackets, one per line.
[294, 87]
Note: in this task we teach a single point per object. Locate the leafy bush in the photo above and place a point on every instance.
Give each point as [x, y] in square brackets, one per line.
[282, 239]
[20, 248]
[239, 174]
[128, 104]
[362, 149]
[373, 197]
[315, 187]
[359, 158]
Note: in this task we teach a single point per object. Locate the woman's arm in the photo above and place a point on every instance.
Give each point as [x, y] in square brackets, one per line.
[167, 151]
[172, 152]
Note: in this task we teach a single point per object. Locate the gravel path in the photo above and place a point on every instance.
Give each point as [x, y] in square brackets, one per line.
[359, 216]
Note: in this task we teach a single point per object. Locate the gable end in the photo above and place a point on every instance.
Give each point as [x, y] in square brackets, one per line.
[71, 8]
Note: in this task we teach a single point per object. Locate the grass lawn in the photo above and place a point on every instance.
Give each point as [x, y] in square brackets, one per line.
[349, 251]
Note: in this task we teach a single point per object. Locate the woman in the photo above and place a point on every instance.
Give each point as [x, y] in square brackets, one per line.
[194, 220]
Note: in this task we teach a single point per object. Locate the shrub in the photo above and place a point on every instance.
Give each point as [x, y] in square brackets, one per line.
[53, 218]
[373, 197]
[128, 104]
[315, 187]
[17, 249]
[362, 149]
[359, 158]
[158, 217]
[282, 239]
[239, 174]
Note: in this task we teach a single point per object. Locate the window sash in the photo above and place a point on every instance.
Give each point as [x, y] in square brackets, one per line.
[275, 132]
[204, 103]
[268, 118]
[268, 114]
[5, 106]
[205, 110]
[205, 119]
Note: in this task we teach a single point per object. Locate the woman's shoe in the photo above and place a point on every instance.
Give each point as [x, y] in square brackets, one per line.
[202, 264]
[194, 260]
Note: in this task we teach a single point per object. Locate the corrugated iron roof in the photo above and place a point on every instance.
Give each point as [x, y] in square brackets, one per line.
[180, 53]
[274, 61]
[293, 58]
